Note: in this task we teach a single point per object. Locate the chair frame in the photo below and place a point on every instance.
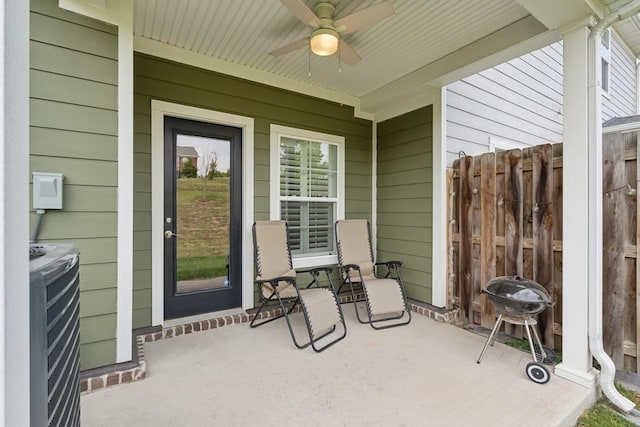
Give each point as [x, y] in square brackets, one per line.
[276, 300]
[393, 272]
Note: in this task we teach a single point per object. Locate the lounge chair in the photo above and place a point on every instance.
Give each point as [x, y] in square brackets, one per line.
[277, 286]
[385, 297]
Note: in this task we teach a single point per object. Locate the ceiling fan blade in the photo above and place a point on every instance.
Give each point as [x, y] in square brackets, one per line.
[364, 18]
[290, 47]
[347, 54]
[302, 12]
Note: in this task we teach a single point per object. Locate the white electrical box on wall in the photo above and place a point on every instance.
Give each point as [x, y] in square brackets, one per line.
[47, 190]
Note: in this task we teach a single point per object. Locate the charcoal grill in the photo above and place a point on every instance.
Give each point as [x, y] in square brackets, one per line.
[517, 301]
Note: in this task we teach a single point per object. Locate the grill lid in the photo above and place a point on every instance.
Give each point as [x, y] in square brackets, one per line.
[518, 289]
[517, 296]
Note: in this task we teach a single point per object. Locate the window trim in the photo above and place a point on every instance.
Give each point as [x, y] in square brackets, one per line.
[278, 131]
[605, 55]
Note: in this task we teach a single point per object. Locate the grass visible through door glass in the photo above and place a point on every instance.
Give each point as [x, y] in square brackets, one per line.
[203, 227]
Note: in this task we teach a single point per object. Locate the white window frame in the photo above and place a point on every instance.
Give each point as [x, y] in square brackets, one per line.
[497, 143]
[605, 55]
[276, 133]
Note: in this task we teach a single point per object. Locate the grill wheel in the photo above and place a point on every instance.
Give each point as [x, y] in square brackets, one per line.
[537, 373]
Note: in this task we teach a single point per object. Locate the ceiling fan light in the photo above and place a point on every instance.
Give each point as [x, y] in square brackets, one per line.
[324, 41]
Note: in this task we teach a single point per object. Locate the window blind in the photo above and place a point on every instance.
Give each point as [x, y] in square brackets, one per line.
[308, 194]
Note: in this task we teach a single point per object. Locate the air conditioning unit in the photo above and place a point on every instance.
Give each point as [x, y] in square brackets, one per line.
[55, 334]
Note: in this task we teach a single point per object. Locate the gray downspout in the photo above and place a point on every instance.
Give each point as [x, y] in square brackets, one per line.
[36, 230]
[608, 369]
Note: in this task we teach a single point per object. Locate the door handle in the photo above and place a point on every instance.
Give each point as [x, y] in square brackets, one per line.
[169, 234]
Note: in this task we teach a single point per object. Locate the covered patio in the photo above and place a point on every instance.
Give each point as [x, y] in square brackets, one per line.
[424, 373]
[107, 139]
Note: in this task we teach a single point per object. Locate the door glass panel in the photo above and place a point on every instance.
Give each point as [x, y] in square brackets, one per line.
[202, 213]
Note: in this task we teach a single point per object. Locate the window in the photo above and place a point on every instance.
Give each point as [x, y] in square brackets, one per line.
[605, 55]
[307, 191]
[497, 144]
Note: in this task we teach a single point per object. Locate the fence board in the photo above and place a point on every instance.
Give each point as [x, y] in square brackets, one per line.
[513, 238]
[613, 206]
[476, 231]
[630, 335]
[542, 218]
[450, 250]
[557, 237]
[465, 224]
[629, 319]
[513, 213]
[487, 233]
[637, 228]
[500, 159]
[500, 208]
[527, 206]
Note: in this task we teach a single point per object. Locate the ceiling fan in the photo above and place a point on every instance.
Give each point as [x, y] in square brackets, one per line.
[326, 36]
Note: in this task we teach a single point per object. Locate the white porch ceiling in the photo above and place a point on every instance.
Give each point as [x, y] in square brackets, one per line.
[242, 32]
[425, 44]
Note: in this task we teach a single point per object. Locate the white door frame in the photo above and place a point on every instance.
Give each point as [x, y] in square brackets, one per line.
[160, 109]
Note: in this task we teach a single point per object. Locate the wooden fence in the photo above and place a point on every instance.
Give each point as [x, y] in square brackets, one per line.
[505, 212]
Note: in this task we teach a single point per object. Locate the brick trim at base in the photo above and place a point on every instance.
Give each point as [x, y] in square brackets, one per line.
[89, 382]
[112, 375]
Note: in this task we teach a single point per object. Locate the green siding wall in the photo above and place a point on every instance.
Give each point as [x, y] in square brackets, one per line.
[178, 83]
[405, 183]
[73, 83]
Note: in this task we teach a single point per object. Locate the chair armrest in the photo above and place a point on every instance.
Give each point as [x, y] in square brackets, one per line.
[275, 280]
[315, 274]
[316, 270]
[390, 263]
[348, 267]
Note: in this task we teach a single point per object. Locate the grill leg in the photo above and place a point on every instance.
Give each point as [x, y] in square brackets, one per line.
[543, 353]
[496, 328]
[533, 351]
[491, 338]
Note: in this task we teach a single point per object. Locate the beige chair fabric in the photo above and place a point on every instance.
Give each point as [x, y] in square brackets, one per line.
[385, 296]
[274, 260]
[273, 257]
[322, 309]
[355, 248]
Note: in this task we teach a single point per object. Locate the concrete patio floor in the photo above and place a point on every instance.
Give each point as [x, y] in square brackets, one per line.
[423, 374]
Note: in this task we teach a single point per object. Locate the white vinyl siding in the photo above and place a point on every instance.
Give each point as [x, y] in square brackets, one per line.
[520, 101]
[307, 191]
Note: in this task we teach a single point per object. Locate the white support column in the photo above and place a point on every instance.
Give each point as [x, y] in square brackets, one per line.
[125, 181]
[439, 230]
[14, 207]
[576, 358]
[374, 185]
